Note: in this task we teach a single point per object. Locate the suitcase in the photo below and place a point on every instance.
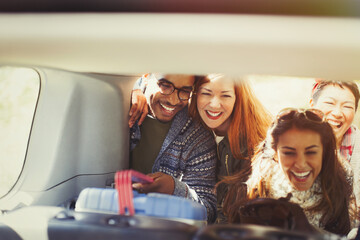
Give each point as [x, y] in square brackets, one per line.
[88, 226]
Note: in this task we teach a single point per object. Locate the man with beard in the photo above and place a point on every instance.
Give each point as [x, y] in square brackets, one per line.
[179, 154]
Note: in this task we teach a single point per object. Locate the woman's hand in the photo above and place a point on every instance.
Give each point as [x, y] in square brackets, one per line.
[163, 183]
[139, 107]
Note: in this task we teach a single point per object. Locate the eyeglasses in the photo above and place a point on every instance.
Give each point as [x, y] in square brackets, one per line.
[167, 88]
[311, 114]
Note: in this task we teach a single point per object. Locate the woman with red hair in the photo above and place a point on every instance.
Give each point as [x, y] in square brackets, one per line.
[227, 106]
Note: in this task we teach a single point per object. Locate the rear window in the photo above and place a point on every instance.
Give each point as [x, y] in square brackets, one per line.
[18, 97]
[278, 92]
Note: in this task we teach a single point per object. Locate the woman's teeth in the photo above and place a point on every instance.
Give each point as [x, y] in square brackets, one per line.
[302, 174]
[213, 114]
[335, 124]
[167, 108]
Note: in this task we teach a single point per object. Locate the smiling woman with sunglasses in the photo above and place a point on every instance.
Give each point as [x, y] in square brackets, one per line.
[298, 157]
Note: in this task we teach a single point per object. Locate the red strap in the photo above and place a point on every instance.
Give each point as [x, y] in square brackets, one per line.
[123, 184]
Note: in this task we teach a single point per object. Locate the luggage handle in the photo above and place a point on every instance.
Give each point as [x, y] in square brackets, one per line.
[123, 185]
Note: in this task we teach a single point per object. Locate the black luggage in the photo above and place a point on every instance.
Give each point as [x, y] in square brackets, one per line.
[79, 225]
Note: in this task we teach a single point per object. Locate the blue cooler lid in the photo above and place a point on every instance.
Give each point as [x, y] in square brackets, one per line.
[152, 204]
[168, 206]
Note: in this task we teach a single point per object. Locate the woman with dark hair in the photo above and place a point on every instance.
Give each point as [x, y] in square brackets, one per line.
[298, 157]
[227, 106]
[339, 101]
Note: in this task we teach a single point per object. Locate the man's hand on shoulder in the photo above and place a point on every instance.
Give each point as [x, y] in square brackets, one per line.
[139, 107]
[163, 183]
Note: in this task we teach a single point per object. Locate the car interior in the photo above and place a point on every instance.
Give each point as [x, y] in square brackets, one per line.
[83, 59]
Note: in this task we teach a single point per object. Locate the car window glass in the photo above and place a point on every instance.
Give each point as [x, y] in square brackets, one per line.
[278, 92]
[18, 97]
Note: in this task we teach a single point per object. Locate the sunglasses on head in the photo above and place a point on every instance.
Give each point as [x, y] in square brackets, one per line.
[311, 114]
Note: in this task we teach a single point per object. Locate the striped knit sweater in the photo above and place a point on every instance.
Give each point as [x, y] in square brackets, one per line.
[188, 154]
